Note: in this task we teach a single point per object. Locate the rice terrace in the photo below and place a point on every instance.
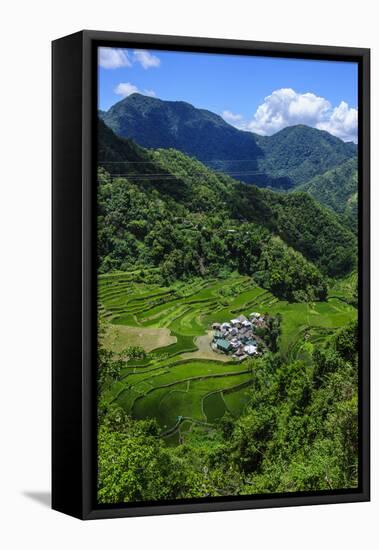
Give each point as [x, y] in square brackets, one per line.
[185, 382]
[227, 284]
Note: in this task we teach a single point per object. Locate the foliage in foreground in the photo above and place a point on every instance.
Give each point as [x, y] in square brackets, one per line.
[299, 432]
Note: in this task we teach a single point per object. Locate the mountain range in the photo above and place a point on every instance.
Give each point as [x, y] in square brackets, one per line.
[163, 191]
[284, 160]
[338, 190]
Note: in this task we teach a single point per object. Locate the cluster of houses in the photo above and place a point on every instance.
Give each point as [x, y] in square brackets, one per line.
[238, 337]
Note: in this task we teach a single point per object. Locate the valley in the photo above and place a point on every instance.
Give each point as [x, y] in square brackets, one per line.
[174, 381]
[227, 306]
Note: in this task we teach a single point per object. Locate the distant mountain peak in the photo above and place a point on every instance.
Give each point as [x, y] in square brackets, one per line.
[288, 158]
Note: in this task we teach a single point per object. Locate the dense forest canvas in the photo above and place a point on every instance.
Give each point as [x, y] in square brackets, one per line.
[227, 221]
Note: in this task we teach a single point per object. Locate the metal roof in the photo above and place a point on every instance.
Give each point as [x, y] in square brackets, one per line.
[223, 344]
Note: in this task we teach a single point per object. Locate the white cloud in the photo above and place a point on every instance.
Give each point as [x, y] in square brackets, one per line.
[232, 118]
[146, 59]
[343, 122]
[113, 58]
[285, 107]
[125, 89]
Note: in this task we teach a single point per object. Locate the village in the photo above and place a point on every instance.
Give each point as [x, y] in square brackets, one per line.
[239, 337]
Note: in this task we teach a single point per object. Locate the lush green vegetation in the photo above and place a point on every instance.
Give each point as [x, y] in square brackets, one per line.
[284, 160]
[298, 431]
[300, 153]
[182, 379]
[181, 247]
[338, 189]
[187, 220]
[314, 231]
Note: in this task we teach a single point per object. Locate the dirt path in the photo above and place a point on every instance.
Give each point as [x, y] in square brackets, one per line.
[205, 351]
[119, 337]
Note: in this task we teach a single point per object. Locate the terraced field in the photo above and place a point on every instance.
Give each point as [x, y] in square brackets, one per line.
[184, 383]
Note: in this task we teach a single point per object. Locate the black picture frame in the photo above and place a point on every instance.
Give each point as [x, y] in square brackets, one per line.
[74, 111]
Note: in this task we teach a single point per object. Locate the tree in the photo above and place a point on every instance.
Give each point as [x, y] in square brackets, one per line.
[135, 352]
[108, 368]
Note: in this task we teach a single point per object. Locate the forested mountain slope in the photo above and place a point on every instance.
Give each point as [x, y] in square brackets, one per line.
[286, 159]
[337, 189]
[171, 211]
[300, 152]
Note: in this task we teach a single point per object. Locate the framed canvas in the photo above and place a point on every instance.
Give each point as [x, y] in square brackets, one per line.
[210, 275]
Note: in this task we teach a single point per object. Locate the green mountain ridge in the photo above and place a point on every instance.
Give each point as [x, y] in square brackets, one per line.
[288, 158]
[170, 211]
[180, 247]
[338, 190]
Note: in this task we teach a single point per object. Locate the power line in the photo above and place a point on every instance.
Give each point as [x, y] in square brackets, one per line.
[155, 161]
[166, 176]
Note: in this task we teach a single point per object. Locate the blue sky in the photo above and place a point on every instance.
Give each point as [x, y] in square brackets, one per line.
[257, 94]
